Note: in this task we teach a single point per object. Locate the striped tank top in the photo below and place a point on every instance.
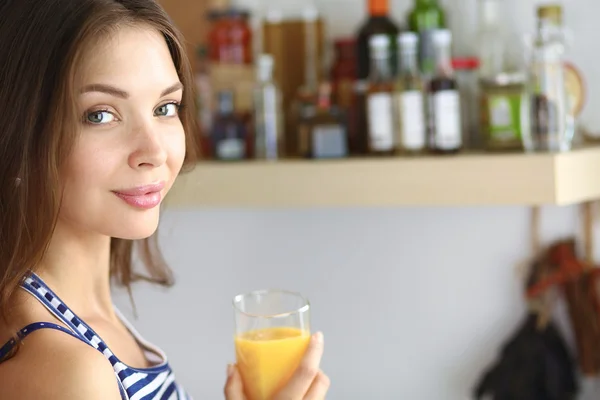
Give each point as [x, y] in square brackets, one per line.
[156, 382]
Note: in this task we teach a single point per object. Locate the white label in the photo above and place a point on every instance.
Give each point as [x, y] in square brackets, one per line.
[446, 109]
[329, 141]
[412, 120]
[381, 121]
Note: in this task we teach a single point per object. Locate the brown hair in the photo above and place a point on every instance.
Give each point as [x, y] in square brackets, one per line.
[42, 44]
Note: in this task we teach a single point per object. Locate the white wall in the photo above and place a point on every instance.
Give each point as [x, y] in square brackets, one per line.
[414, 302]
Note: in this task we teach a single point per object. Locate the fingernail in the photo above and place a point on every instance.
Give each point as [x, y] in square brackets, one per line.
[230, 370]
[318, 337]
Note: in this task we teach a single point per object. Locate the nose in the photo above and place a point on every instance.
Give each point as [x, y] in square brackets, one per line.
[148, 150]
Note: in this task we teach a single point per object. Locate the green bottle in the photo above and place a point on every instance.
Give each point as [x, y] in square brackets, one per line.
[425, 17]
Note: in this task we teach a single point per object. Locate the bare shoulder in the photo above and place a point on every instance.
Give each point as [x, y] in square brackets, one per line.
[53, 365]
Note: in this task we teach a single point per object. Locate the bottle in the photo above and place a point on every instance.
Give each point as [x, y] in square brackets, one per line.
[229, 132]
[268, 116]
[304, 101]
[324, 130]
[549, 111]
[408, 97]
[491, 37]
[444, 119]
[378, 22]
[501, 85]
[379, 98]
[426, 17]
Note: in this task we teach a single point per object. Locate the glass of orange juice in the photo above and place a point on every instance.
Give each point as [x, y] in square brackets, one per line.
[272, 332]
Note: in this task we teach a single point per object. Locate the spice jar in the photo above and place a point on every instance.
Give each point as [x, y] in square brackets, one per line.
[230, 36]
[503, 111]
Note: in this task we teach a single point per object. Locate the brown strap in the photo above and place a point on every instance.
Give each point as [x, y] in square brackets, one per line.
[588, 231]
[536, 245]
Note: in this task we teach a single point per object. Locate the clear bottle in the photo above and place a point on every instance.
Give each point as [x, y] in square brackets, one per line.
[379, 98]
[268, 115]
[549, 111]
[444, 115]
[408, 97]
[491, 37]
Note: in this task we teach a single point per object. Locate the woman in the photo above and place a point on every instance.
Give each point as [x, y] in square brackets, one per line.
[97, 122]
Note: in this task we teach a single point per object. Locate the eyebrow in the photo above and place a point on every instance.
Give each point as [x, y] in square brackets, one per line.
[116, 92]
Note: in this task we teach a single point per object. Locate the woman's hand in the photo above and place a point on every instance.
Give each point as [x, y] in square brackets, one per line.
[307, 383]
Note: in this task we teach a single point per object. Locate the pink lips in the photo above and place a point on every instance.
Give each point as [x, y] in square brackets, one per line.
[144, 197]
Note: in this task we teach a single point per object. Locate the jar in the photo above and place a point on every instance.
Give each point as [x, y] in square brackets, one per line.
[230, 36]
[504, 112]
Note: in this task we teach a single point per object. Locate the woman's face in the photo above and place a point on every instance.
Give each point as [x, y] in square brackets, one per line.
[131, 143]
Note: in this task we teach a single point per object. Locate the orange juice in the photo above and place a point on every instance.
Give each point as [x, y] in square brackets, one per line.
[267, 358]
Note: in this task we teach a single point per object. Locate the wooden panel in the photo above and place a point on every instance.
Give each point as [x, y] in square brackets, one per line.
[190, 18]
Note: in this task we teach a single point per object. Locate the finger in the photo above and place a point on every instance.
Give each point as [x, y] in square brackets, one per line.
[234, 389]
[319, 387]
[308, 369]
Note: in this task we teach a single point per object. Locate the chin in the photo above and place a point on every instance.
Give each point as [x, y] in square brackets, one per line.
[137, 227]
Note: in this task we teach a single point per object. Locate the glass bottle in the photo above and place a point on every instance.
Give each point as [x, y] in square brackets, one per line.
[501, 85]
[379, 98]
[229, 132]
[444, 115]
[408, 97]
[426, 17]
[491, 37]
[324, 130]
[378, 22]
[549, 114]
[268, 116]
[303, 103]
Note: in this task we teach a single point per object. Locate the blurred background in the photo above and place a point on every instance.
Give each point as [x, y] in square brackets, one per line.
[415, 302]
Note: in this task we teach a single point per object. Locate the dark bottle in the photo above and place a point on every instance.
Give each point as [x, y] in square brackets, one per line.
[444, 119]
[426, 17]
[378, 22]
[229, 133]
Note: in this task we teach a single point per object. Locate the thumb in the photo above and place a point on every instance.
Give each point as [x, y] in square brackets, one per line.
[234, 389]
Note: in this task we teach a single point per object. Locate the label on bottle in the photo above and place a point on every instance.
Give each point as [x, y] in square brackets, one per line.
[412, 120]
[504, 117]
[447, 128]
[230, 149]
[380, 121]
[329, 141]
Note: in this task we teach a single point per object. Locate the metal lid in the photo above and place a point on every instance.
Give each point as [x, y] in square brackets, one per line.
[551, 12]
[505, 79]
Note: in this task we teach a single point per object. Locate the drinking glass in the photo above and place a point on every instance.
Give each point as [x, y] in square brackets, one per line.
[272, 332]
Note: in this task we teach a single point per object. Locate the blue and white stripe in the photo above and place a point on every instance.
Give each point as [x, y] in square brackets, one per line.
[156, 383]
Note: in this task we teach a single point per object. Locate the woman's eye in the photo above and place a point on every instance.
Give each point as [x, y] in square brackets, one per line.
[167, 110]
[100, 117]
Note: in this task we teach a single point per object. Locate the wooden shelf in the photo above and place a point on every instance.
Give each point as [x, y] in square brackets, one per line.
[477, 179]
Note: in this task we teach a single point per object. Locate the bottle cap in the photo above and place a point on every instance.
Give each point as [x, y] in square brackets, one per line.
[550, 12]
[379, 41]
[408, 38]
[379, 7]
[442, 36]
[465, 63]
